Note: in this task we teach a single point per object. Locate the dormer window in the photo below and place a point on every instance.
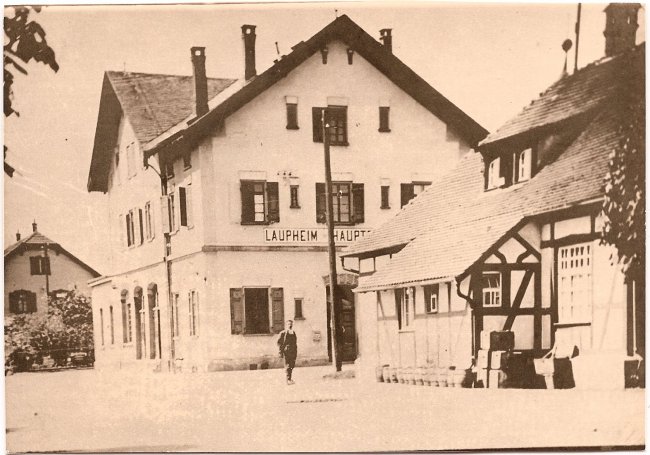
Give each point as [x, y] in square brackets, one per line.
[495, 180]
[522, 166]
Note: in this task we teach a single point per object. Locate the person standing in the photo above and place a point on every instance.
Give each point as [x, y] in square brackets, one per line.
[288, 345]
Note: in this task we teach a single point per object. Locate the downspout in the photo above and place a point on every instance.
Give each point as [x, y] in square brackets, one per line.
[468, 299]
[166, 252]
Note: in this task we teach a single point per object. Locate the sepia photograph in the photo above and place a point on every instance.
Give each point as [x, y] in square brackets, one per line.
[324, 227]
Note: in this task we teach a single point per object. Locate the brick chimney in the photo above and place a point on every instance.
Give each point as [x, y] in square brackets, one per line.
[620, 28]
[248, 34]
[18, 236]
[200, 81]
[386, 38]
[34, 226]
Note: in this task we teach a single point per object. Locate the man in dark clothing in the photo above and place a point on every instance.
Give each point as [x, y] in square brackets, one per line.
[288, 345]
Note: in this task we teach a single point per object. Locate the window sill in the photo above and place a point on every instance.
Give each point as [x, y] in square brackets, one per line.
[293, 127]
[407, 331]
[255, 223]
[383, 130]
[296, 318]
[258, 334]
[294, 206]
[431, 313]
[385, 208]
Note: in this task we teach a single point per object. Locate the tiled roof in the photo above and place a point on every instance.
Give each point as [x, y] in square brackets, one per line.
[461, 227]
[34, 242]
[36, 239]
[153, 103]
[345, 29]
[570, 96]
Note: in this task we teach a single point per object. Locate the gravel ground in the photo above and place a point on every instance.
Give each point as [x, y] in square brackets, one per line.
[89, 410]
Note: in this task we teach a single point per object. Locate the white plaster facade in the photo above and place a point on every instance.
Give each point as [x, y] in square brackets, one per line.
[217, 253]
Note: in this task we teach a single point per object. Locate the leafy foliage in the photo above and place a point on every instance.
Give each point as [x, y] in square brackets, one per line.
[24, 42]
[67, 326]
[624, 204]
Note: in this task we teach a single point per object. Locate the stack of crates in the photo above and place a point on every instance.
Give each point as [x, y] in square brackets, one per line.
[493, 358]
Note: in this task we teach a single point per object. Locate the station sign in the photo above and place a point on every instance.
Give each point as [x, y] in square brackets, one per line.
[312, 236]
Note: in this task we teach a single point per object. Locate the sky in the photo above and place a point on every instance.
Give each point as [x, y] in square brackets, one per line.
[489, 59]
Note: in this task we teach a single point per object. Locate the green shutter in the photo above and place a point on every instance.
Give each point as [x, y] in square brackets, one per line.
[358, 203]
[277, 309]
[320, 203]
[236, 310]
[408, 193]
[247, 202]
[273, 199]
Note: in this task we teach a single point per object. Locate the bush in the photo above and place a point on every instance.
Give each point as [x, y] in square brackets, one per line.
[67, 326]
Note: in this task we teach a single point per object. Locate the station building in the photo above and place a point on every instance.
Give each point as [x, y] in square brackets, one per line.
[216, 196]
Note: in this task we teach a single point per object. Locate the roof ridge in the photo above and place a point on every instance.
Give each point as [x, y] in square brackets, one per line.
[140, 73]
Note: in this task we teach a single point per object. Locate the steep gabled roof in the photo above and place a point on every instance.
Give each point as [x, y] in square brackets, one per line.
[35, 241]
[567, 98]
[152, 103]
[459, 229]
[342, 28]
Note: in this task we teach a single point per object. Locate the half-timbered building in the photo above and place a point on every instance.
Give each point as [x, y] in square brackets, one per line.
[510, 240]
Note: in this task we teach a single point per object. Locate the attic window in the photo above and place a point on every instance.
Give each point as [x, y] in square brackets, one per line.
[522, 165]
[494, 178]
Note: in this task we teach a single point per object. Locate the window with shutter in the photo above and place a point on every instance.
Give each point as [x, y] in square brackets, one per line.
[13, 301]
[236, 310]
[173, 208]
[337, 118]
[193, 302]
[317, 123]
[256, 311]
[45, 265]
[358, 205]
[140, 228]
[320, 203]
[34, 266]
[384, 126]
[273, 200]
[189, 207]
[260, 202]
[31, 301]
[277, 309]
[385, 193]
[407, 193]
[292, 116]
[187, 160]
[293, 195]
[431, 298]
[182, 202]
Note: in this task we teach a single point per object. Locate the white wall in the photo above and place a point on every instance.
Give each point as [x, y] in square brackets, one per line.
[66, 274]
[256, 139]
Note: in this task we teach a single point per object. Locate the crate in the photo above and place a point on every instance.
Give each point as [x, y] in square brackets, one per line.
[497, 379]
[482, 378]
[499, 360]
[503, 340]
[483, 358]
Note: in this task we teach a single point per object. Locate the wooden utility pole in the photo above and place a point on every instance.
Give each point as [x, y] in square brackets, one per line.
[575, 65]
[329, 212]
